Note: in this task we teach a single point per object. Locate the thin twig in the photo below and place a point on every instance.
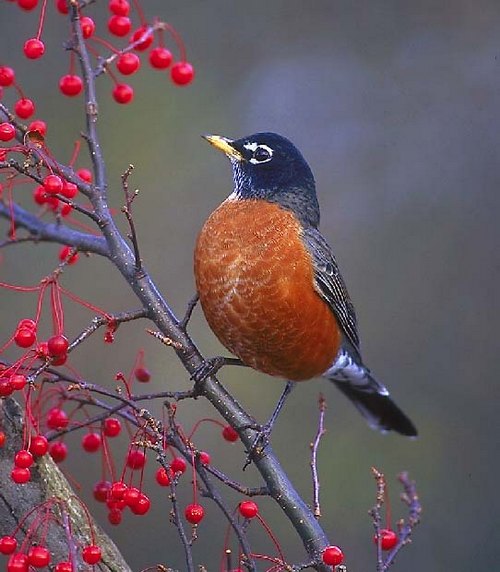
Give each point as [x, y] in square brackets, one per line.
[314, 455]
[127, 211]
[189, 311]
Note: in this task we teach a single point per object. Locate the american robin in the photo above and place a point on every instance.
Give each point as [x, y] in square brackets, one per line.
[268, 282]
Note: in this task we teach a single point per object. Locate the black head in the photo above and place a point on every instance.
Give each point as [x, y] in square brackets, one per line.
[268, 166]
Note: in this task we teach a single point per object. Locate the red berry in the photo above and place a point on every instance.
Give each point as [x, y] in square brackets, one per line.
[7, 132]
[182, 73]
[128, 63]
[6, 388]
[70, 85]
[65, 254]
[229, 434]
[58, 451]
[57, 345]
[2, 439]
[112, 427]
[27, 323]
[115, 516]
[20, 475]
[91, 554]
[18, 562]
[160, 58]
[62, 6]
[248, 509]
[63, 567]
[53, 184]
[178, 465]
[144, 45]
[131, 495]
[123, 93]
[39, 445]
[136, 459]
[23, 459]
[194, 513]
[38, 556]
[7, 76]
[389, 538]
[88, 26]
[27, 4]
[119, 25]
[118, 489]
[24, 338]
[34, 48]
[85, 175]
[38, 125]
[332, 555]
[119, 7]
[8, 544]
[141, 505]
[69, 190]
[24, 108]
[17, 381]
[142, 374]
[204, 458]
[101, 491]
[91, 442]
[39, 195]
[57, 419]
[163, 477]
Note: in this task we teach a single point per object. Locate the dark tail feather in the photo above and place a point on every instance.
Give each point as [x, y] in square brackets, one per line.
[379, 410]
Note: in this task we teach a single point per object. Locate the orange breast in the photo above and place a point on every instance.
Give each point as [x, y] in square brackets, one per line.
[255, 281]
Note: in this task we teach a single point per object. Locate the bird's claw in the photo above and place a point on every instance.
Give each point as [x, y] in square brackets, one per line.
[259, 444]
[208, 367]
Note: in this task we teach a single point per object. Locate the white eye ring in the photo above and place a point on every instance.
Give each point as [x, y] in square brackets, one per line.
[255, 148]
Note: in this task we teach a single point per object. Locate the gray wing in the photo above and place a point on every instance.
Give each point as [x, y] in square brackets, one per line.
[330, 284]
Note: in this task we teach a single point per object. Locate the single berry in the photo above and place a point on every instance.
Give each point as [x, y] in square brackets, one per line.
[146, 42]
[88, 26]
[131, 495]
[24, 108]
[18, 562]
[65, 255]
[160, 58]
[23, 459]
[18, 381]
[136, 459]
[332, 555]
[27, 323]
[101, 491]
[57, 419]
[115, 516]
[119, 7]
[389, 539]
[3, 438]
[204, 458]
[62, 6]
[123, 93]
[7, 76]
[118, 489]
[24, 338]
[6, 388]
[142, 374]
[8, 544]
[69, 190]
[64, 567]
[70, 85]
[163, 477]
[112, 427]
[229, 434]
[38, 556]
[7, 132]
[91, 554]
[57, 345]
[182, 73]
[20, 475]
[248, 509]
[128, 63]
[91, 442]
[142, 505]
[27, 4]
[39, 445]
[58, 451]
[178, 465]
[194, 513]
[40, 196]
[38, 125]
[85, 175]
[119, 25]
[34, 48]
[53, 184]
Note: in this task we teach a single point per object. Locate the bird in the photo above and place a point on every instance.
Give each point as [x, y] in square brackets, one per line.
[269, 284]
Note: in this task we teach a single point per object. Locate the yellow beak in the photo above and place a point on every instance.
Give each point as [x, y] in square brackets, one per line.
[224, 144]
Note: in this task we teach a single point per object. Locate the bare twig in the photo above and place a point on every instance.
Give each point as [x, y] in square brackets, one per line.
[127, 211]
[314, 455]
[189, 311]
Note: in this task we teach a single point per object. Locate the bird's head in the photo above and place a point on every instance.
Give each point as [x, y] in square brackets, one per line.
[268, 166]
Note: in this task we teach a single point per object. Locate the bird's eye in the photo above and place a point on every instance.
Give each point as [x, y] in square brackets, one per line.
[262, 154]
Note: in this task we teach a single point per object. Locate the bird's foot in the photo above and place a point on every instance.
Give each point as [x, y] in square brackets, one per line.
[260, 442]
[211, 366]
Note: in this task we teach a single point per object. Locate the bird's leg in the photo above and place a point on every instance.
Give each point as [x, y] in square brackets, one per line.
[261, 440]
[211, 366]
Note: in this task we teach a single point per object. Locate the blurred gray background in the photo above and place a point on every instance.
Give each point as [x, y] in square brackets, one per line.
[395, 106]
